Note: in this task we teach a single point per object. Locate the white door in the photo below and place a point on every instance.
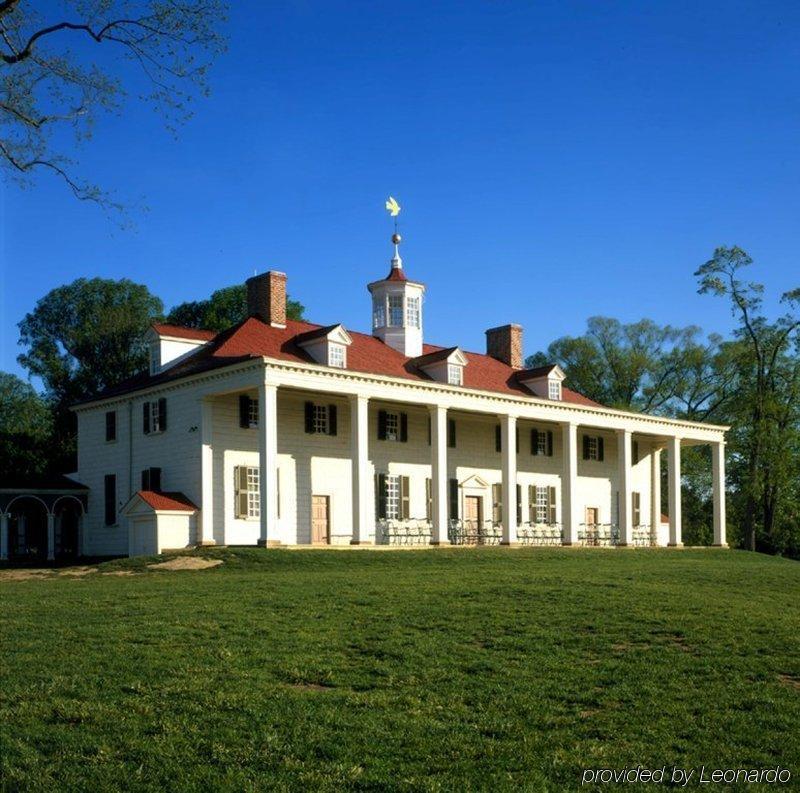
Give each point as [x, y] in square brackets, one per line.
[143, 542]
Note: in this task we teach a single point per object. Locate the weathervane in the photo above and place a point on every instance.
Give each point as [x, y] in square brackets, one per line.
[393, 208]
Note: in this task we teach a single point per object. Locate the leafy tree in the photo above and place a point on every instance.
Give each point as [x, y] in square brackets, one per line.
[766, 412]
[223, 309]
[51, 88]
[83, 337]
[25, 426]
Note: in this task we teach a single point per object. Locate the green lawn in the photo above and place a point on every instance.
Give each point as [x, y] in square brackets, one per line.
[433, 669]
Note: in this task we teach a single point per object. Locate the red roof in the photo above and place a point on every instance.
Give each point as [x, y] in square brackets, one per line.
[396, 274]
[254, 338]
[165, 502]
[180, 332]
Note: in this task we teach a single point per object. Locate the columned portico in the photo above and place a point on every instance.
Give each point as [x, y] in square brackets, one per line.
[206, 464]
[718, 475]
[439, 474]
[674, 481]
[569, 484]
[268, 458]
[363, 513]
[509, 452]
[624, 455]
[655, 493]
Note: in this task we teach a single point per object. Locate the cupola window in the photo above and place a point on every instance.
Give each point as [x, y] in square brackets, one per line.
[395, 311]
[378, 314]
[413, 312]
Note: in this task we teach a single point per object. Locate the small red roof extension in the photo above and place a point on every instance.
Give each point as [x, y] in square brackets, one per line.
[166, 502]
[162, 329]
[254, 338]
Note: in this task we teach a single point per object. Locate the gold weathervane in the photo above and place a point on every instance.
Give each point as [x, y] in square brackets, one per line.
[393, 208]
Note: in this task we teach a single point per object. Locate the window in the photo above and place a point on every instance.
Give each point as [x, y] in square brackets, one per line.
[395, 311]
[321, 419]
[336, 356]
[252, 413]
[110, 493]
[111, 425]
[154, 416]
[378, 313]
[593, 448]
[155, 357]
[542, 504]
[392, 497]
[247, 488]
[151, 479]
[248, 412]
[392, 426]
[553, 389]
[455, 374]
[542, 442]
[636, 511]
[412, 312]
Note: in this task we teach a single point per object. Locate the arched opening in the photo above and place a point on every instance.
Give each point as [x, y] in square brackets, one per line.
[68, 512]
[27, 528]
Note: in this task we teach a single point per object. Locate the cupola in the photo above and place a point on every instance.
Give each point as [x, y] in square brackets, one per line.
[397, 307]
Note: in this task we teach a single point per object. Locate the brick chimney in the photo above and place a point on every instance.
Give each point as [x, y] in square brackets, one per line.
[505, 344]
[266, 298]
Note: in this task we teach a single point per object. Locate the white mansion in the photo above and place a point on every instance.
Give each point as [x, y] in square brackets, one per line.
[284, 432]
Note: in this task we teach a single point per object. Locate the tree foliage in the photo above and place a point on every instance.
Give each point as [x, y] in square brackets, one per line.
[25, 427]
[225, 307]
[61, 67]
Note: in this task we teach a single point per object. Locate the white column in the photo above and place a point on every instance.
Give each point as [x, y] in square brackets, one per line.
[624, 459]
[570, 508]
[439, 474]
[655, 494]
[3, 535]
[718, 475]
[268, 458]
[206, 527]
[51, 536]
[363, 508]
[674, 479]
[509, 443]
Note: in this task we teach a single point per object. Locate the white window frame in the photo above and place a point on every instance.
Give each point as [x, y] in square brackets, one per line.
[554, 389]
[413, 312]
[593, 448]
[455, 374]
[322, 419]
[541, 442]
[155, 419]
[379, 313]
[392, 497]
[155, 358]
[252, 413]
[392, 426]
[337, 355]
[542, 504]
[395, 311]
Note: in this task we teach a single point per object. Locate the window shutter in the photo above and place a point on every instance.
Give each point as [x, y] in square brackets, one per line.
[498, 439]
[405, 498]
[551, 503]
[585, 447]
[428, 500]
[451, 433]
[430, 432]
[534, 441]
[453, 499]
[241, 478]
[110, 494]
[244, 411]
[519, 503]
[278, 491]
[162, 414]
[331, 419]
[532, 503]
[309, 408]
[549, 443]
[241, 505]
[637, 501]
[600, 449]
[146, 479]
[497, 503]
[381, 425]
[146, 418]
[111, 425]
[404, 427]
[516, 439]
[155, 479]
[380, 496]
[635, 452]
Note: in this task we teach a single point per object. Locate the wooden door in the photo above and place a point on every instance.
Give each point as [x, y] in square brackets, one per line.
[320, 520]
[473, 517]
[592, 517]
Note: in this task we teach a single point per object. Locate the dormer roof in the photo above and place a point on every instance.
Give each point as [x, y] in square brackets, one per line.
[164, 330]
[334, 333]
[549, 370]
[449, 354]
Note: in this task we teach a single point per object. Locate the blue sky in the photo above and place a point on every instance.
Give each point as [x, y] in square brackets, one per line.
[554, 160]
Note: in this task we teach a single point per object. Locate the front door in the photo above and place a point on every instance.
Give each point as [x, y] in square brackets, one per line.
[320, 520]
[473, 518]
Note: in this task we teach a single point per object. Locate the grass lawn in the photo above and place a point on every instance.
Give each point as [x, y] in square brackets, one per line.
[432, 669]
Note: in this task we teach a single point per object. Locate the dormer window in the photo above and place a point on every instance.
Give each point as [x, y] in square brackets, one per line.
[337, 355]
[554, 389]
[395, 311]
[413, 312]
[455, 374]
